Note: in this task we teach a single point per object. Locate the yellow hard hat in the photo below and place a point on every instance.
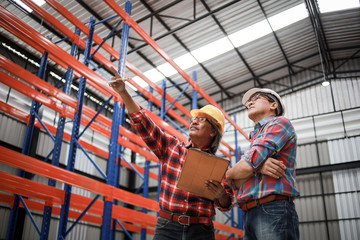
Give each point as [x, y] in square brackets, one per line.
[217, 117]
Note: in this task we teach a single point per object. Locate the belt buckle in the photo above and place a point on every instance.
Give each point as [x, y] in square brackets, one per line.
[184, 216]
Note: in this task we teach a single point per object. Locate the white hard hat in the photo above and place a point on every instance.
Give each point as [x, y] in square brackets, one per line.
[280, 111]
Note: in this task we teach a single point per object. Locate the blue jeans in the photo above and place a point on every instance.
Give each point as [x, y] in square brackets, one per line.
[276, 220]
[169, 230]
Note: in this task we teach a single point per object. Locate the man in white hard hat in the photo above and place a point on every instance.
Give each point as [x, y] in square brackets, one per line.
[182, 215]
[266, 198]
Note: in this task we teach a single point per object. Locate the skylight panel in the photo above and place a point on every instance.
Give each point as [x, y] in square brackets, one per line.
[154, 75]
[250, 33]
[223, 45]
[38, 2]
[288, 17]
[139, 81]
[186, 61]
[336, 5]
[167, 69]
[212, 50]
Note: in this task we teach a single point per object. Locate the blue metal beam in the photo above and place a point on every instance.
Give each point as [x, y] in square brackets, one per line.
[57, 146]
[64, 214]
[237, 159]
[82, 214]
[106, 233]
[35, 106]
[194, 93]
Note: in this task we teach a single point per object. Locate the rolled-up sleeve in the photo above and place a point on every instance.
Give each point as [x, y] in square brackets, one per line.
[154, 137]
[270, 141]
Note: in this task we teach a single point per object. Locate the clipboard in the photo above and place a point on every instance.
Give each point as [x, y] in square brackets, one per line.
[200, 166]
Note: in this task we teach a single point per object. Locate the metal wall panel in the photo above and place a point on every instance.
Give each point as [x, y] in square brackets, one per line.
[329, 126]
[348, 183]
[324, 158]
[29, 231]
[344, 150]
[12, 131]
[304, 128]
[327, 123]
[4, 90]
[4, 216]
[93, 233]
[351, 121]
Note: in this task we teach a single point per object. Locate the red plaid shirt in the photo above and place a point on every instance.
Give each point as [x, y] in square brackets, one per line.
[171, 153]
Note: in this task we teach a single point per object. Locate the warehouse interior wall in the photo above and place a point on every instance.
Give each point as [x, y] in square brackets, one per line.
[327, 123]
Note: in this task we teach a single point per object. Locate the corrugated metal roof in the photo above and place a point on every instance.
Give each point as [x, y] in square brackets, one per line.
[181, 26]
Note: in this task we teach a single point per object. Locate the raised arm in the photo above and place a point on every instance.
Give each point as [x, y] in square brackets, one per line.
[118, 84]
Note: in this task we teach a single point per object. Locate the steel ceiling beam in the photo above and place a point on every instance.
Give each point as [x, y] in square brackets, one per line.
[235, 48]
[291, 70]
[185, 47]
[109, 27]
[107, 48]
[327, 62]
[310, 68]
[294, 62]
[159, 11]
[132, 23]
[188, 23]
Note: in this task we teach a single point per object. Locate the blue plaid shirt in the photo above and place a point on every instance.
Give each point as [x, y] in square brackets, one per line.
[272, 137]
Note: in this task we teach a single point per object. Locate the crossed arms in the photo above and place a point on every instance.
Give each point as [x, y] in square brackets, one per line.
[242, 171]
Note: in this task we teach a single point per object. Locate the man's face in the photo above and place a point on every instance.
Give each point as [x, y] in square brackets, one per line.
[201, 128]
[260, 106]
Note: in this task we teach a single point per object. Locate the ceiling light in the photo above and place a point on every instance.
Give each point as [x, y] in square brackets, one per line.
[325, 83]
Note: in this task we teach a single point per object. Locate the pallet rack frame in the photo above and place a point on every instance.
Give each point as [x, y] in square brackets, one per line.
[41, 44]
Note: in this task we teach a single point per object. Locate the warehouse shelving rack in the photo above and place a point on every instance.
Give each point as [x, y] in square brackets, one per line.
[56, 201]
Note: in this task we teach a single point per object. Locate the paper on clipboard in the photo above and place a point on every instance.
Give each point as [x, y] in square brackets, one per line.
[199, 167]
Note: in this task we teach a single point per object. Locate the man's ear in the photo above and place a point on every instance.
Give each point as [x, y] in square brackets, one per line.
[213, 132]
[273, 106]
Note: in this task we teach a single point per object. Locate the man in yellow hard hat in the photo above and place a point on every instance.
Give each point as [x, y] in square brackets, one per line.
[183, 215]
[216, 119]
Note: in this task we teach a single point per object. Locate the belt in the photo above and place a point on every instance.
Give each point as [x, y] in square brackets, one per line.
[257, 202]
[185, 219]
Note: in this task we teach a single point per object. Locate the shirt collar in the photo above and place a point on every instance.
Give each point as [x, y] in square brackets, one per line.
[259, 125]
[190, 145]
[265, 120]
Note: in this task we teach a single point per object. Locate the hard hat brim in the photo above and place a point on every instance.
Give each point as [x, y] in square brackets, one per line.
[195, 113]
[249, 93]
[252, 91]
